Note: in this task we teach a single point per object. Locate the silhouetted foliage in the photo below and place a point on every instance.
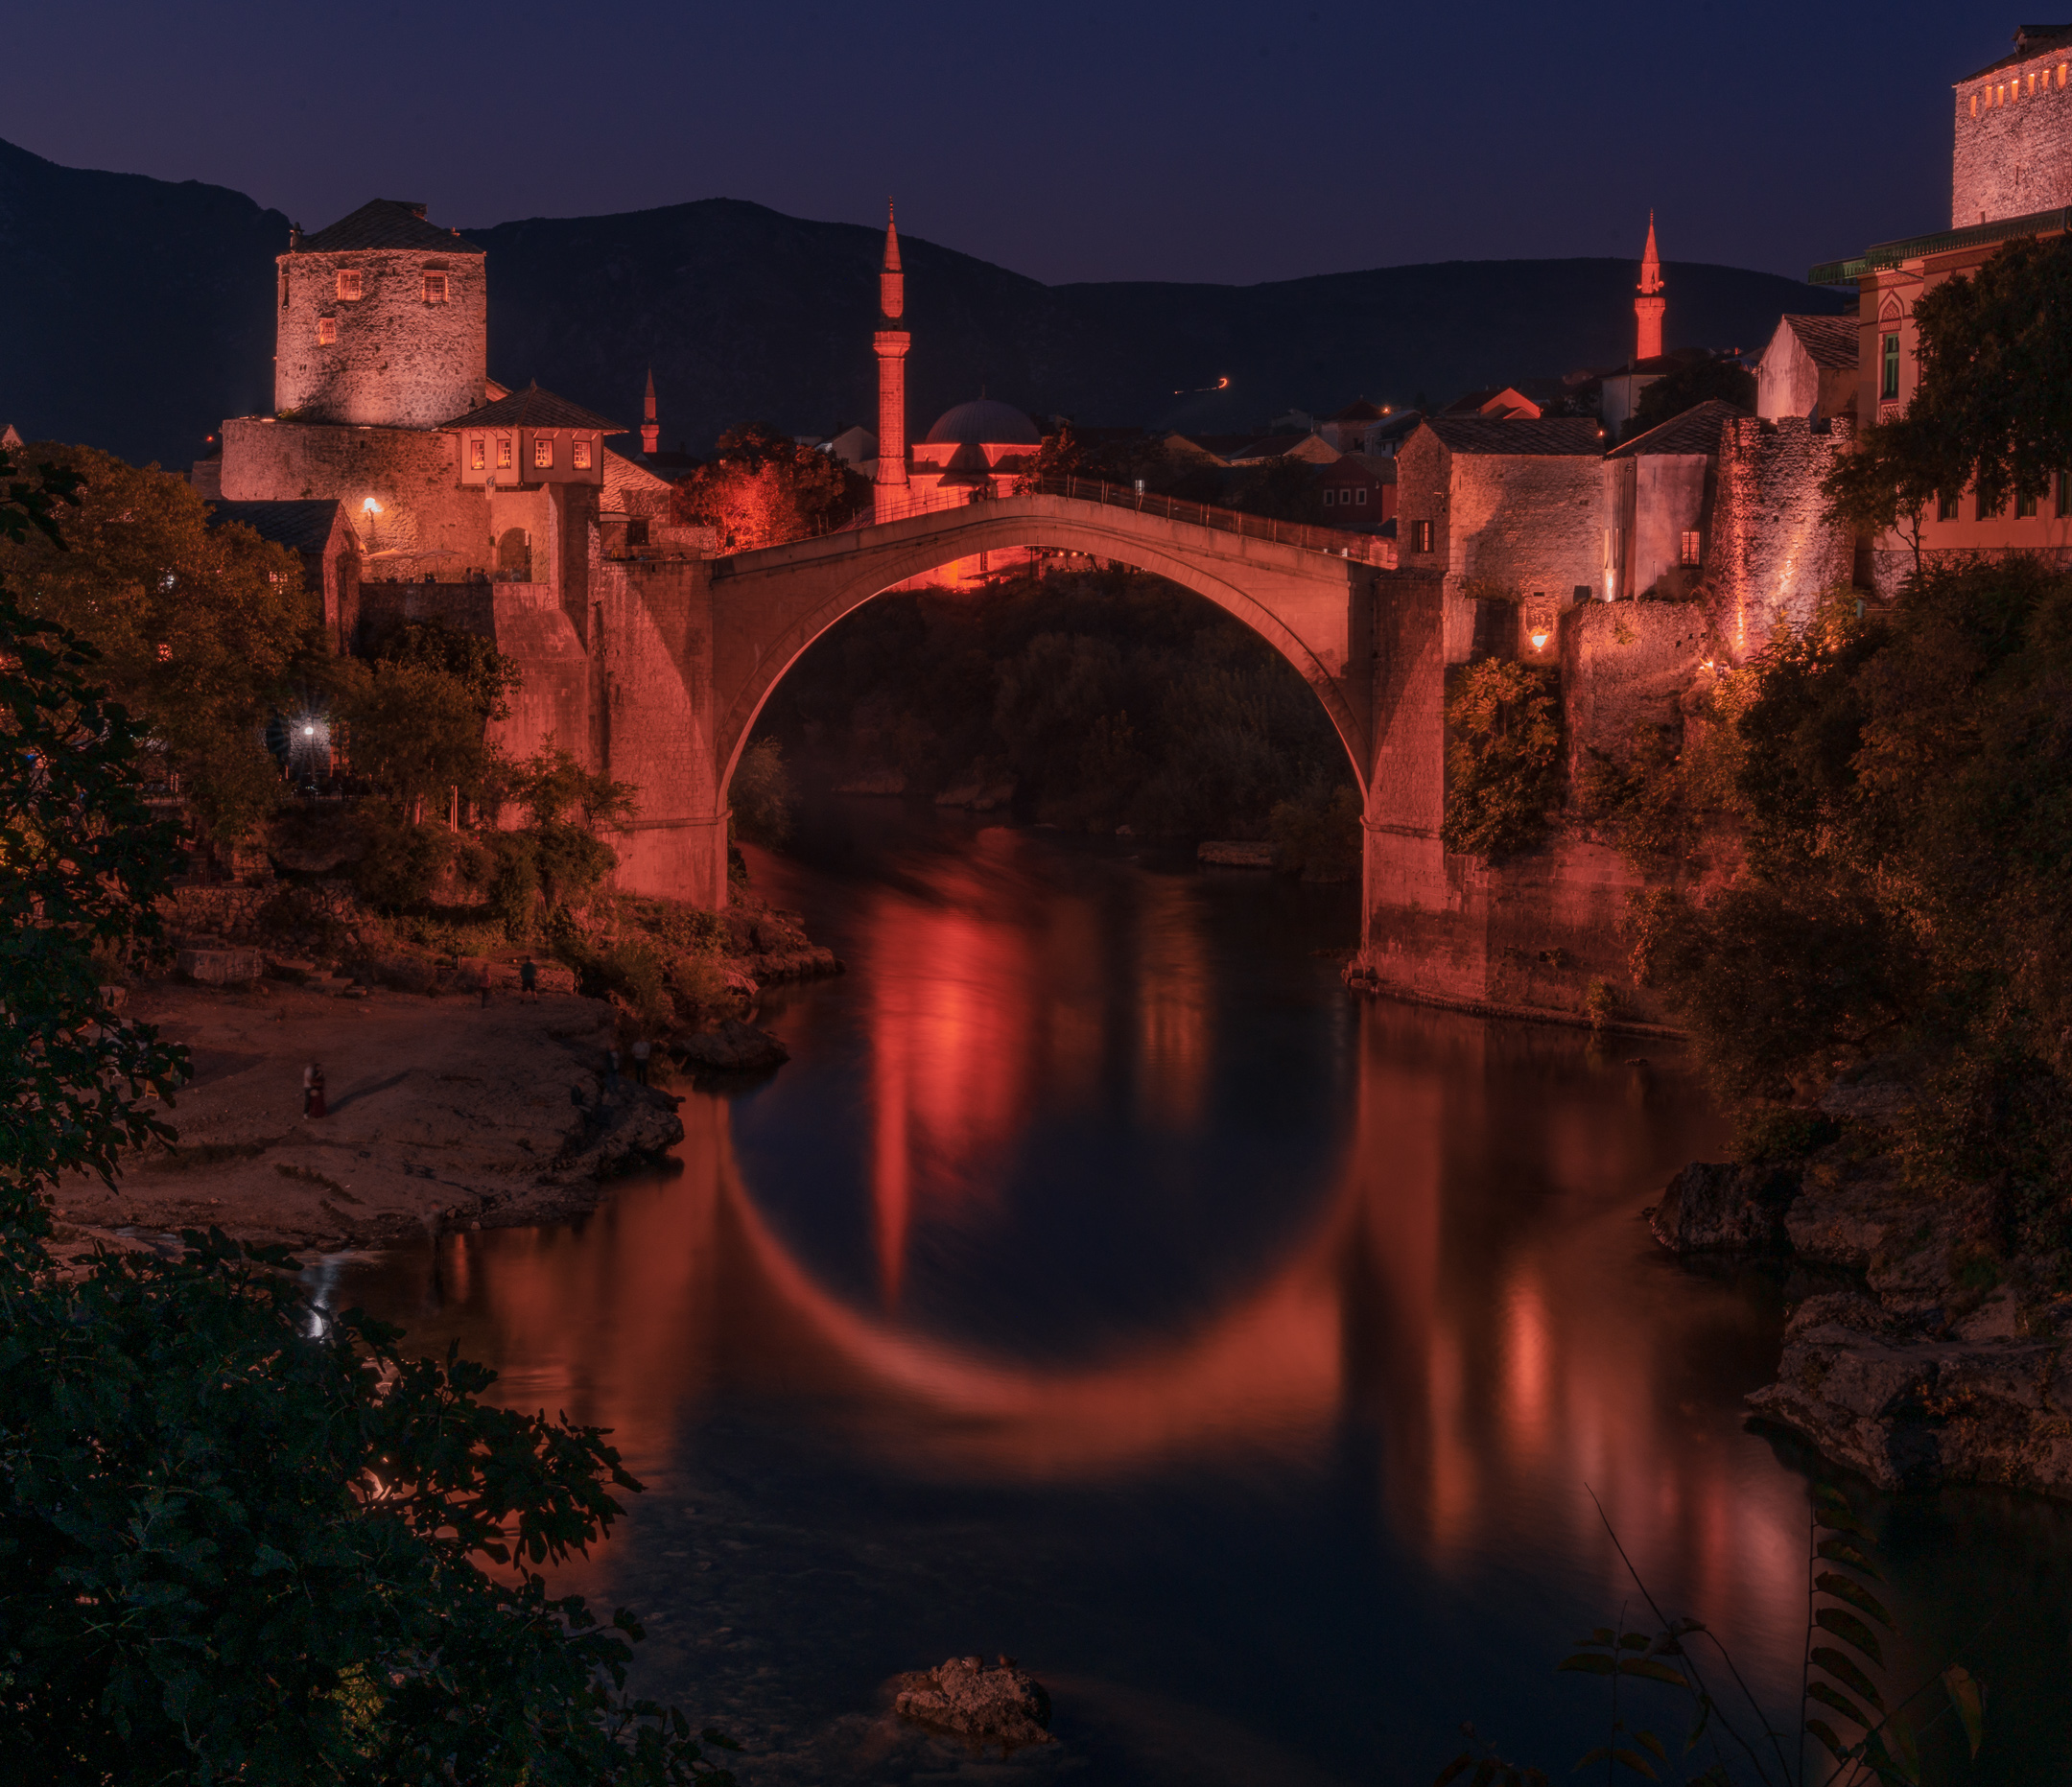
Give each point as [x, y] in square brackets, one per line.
[1724, 378]
[762, 488]
[1504, 759]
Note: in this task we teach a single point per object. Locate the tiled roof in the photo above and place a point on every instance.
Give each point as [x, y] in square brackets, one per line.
[1697, 430]
[533, 408]
[302, 526]
[2030, 40]
[386, 224]
[1828, 340]
[1359, 409]
[1497, 434]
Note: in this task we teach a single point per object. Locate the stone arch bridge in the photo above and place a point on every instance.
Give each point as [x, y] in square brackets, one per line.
[666, 668]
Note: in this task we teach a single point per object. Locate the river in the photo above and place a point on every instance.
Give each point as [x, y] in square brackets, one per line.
[1101, 1286]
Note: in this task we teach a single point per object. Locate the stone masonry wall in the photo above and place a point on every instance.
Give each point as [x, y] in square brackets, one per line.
[1773, 552]
[1517, 524]
[2013, 149]
[424, 523]
[398, 361]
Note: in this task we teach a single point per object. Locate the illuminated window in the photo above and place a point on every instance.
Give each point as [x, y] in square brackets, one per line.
[579, 455]
[1974, 104]
[542, 451]
[1946, 505]
[2032, 84]
[1420, 536]
[435, 287]
[1693, 546]
[326, 331]
[349, 282]
[478, 453]
[503, 453]
[1889, 387]
[2060, 76]
[2025, 506]
[165, 654]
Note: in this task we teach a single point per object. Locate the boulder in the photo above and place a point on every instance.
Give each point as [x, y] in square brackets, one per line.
[982, 1703]
[219, 968]
[1726, 1209]
[731, 1048]
[624, 1128]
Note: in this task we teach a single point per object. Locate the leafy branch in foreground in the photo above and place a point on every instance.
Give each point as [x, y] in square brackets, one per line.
[1844, 1660]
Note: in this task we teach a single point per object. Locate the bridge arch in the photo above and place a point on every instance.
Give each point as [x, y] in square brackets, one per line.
[1302, 610]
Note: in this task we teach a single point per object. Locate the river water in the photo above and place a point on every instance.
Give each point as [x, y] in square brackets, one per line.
[1101, 1286]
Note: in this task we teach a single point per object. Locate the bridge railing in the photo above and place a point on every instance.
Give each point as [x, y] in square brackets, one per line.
[1338, 543]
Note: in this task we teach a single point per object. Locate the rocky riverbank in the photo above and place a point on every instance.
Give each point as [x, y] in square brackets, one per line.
[1918, 1350]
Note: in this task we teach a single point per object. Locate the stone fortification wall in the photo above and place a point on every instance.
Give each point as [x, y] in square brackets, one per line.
[526, 624]
[1775, 552]
[1623, 666]
[2013, 148]
[397, 359]
[1519, 523]
[423, 524]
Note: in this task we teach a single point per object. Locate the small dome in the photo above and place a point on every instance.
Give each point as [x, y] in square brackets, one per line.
[985, 422]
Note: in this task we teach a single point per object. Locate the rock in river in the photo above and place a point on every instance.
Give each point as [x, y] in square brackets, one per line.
[983, 1703]
[1710, 1208]
[733, 1047]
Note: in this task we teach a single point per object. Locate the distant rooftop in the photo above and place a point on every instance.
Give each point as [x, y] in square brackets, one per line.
[1525, 434]
[1696, 430]
[533, 408]
[2029, 40]
[1830, 342]
[386, 224]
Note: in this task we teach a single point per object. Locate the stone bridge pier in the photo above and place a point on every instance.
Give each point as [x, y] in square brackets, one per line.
[663, 669]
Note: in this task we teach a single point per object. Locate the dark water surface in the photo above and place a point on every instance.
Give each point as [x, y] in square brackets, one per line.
[1101, 1286]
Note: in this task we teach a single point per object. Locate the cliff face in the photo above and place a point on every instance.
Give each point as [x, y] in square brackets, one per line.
[149, 305]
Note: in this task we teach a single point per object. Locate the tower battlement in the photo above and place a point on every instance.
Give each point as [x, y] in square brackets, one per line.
[2013, 149]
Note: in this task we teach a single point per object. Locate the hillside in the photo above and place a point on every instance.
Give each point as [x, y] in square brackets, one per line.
[138, 313]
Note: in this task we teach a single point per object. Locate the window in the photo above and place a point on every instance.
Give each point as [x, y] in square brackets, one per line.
[1888, 386]
[326, 331]
[2060, 76]
[349, 282]
[580, 454]
[165, 653]
[503, 453]
[1693, 548]
[542, 451]
[1980, 512]
[1360, 495]
[2025, 506]
[478, 453]
[2064, 494]
[1946, 505]
[1331, 496]
[1974, 104]
[1421, 536]
[435, 287]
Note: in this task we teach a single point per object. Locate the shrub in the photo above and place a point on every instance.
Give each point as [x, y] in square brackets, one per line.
[760, 794]
[1782, 1132]
[1317, 835]
[1504, 759]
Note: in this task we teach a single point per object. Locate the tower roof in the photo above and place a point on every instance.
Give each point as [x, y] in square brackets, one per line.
[384, 224]
[891, 240]
[1650, 260]
[985, 421]
[533, 408]
[647, 405]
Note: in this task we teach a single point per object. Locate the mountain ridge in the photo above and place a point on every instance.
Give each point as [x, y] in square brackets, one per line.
[151, 305]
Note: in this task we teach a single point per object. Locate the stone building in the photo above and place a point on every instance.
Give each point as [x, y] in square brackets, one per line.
[2011, 177]
[1808, 368]
[1658, 495]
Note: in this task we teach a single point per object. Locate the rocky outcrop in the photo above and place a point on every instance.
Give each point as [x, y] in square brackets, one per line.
[1714, 1209]
[730, 1046]
[982, 1703]
[627, 1126]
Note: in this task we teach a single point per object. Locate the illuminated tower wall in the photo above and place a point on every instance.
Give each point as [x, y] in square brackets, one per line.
[1649, 306]
[892, 342]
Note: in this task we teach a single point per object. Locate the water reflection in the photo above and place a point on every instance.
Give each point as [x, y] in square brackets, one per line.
[1086, 1189]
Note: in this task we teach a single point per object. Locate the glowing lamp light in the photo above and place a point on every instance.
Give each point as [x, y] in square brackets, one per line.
[371, 508]
[309, 732]
[1539, 639]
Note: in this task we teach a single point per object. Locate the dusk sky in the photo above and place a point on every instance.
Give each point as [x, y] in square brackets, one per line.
[1212, 141]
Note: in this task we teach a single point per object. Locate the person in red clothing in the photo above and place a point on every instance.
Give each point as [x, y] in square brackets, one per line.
[313, 1095]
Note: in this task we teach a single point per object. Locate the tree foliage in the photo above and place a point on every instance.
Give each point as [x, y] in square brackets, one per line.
[763, 487]
[484, 673]
[244, 1538]
[198, 627]
[1720, 377]
[1504, 770]
[1905, 790]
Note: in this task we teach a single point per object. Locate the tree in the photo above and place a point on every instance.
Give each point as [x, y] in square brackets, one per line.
[415, 731]
[197, 626]
[1992, 406]
[763, 487]
[488, 676]
[1504, 759]
[244, 1540]
[1721, 377]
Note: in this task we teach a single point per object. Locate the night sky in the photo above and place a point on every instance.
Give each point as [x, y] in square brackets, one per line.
[1209, 141]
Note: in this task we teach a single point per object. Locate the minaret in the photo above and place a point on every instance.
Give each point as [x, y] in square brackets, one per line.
[1649, 306]
[651, 430]
[892, 342]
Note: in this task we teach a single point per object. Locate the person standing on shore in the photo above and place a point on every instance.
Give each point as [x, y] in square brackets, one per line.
[529, 980]
[640, 1049]
[313, 1091]
[485, 986]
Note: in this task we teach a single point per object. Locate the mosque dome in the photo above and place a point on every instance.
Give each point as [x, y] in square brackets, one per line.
[985, 422]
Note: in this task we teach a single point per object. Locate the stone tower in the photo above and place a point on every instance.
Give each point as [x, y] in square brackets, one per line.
[382, 319]
[1649, 306]
[650, 428]
[892, 342]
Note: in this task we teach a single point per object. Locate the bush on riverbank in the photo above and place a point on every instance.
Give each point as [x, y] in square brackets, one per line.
[1905, 791]
[1106, 697]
